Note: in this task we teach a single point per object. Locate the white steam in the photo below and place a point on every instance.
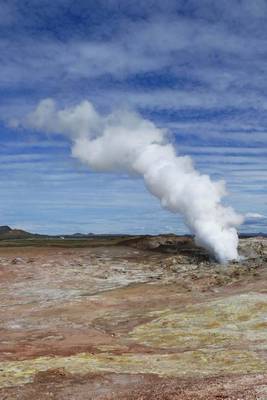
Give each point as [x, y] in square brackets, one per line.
[125, 141]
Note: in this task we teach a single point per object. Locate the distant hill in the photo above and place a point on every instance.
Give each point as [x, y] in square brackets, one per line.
[5, 229]
[8, 233]
[251, 234]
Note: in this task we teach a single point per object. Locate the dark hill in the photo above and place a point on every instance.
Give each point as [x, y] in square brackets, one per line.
[7, 233]
[5, 229]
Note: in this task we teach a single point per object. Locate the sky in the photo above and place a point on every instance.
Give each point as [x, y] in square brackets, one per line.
[197, 68]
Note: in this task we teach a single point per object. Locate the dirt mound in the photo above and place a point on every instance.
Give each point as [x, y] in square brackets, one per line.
[183, 246]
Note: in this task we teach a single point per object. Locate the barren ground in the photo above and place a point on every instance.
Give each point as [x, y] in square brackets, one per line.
[147, 318]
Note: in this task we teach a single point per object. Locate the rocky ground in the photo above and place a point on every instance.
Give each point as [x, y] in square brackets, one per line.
[148, 318]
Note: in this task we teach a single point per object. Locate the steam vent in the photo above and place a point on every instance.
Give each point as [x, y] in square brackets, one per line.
[131, 318]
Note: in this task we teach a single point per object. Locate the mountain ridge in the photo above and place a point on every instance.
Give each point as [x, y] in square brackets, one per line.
[6, 232]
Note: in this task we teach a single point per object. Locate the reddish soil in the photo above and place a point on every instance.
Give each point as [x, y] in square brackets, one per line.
[62, 302]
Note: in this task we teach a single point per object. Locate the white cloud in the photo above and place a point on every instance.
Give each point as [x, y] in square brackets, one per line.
[252, 215]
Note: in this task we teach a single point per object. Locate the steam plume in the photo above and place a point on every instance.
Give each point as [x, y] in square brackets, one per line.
[124, 141]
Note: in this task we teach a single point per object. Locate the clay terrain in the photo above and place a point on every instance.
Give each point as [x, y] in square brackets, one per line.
[131, 318]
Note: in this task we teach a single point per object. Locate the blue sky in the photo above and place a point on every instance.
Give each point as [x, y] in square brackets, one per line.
[196, 67]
